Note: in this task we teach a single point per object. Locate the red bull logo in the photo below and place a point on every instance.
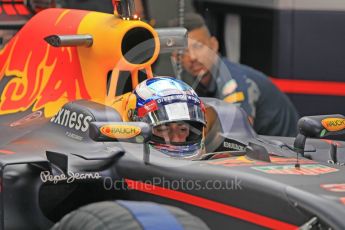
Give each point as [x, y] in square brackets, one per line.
[40, 76]
[36, 76]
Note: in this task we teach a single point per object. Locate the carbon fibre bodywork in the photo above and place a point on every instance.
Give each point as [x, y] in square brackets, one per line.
[52, 97]
[51, 172]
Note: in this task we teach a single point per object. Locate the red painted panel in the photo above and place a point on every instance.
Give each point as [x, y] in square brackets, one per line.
[210, 205]
[310, 87]
[45, 71]
[9, 9]
[22, 9]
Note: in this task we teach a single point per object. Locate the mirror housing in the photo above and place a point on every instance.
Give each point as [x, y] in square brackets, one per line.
[318, 127]
[132, 132]
[172, 39]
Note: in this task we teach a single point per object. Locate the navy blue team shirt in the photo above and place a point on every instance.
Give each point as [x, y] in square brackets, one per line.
[271, 110]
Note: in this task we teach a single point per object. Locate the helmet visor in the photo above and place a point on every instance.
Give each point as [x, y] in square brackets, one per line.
[179, 111]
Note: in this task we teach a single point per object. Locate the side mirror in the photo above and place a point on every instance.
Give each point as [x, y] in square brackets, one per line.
[318, 127]
[133, 132]
[172, 38]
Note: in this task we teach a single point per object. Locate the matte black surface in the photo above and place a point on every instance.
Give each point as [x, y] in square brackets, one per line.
[293, 199]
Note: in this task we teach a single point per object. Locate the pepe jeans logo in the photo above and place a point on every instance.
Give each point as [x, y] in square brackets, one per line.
[46, 176]
[333, 124]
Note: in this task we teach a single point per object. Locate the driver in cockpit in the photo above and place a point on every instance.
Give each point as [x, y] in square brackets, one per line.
[175, 112]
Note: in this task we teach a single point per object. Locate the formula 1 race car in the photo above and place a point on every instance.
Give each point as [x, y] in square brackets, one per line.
[64, 141]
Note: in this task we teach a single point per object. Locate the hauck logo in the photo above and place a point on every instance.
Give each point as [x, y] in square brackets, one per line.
[120, 131]
[46, 176]
[333, 124]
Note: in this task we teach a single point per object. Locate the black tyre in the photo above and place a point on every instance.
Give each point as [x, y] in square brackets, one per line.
[129, 215]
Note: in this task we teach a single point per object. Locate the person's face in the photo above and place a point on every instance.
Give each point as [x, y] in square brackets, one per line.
[172, 132]
[201, 54]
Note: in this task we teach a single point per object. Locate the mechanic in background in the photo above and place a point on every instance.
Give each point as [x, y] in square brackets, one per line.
[270, 110]
[174, 111]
